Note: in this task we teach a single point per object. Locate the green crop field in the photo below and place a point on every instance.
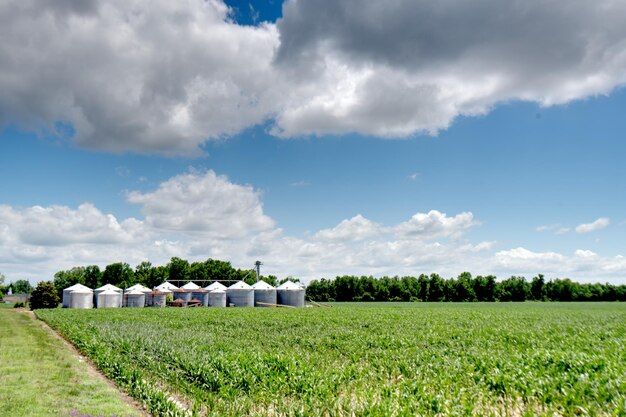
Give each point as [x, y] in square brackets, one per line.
[363, 359]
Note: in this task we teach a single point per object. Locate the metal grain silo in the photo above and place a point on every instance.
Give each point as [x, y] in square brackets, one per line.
[202, 296]
[264, 293]
[240, 295]
[138, 287]
[216, 286]
[107, 287]
[166, 287]
[108, 299]
[156, 299]
[291, 294]
[81, 298]
[217, 298]
[67, 293]
[134, 298]
[181, 294]
[190, 286]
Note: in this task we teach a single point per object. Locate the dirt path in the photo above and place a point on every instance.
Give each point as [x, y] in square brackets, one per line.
[91, 368]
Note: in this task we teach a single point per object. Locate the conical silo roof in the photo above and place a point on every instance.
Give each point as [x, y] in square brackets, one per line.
[76, 287]
[262, 285]
[137, 287]
[215, 286]
[82, 291]
[289, 285]
[190, 286]
[109, 292]
[134, 292]
[240, 286]
[108, 287]
[167, 286]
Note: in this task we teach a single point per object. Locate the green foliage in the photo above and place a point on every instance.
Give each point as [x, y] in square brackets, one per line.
[119, 274]
[373, 359]
[19, 304]
[464, 288]
[45, 295]
[21, 286]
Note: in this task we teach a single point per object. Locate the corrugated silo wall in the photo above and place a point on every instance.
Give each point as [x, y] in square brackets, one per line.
[267, 296]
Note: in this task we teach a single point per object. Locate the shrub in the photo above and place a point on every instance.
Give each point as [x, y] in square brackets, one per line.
[44, 296]
[19, 304]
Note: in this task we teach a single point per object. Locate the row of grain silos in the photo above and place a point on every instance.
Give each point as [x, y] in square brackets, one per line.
[239, 294]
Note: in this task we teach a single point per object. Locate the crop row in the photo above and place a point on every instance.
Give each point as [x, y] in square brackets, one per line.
[375, 360]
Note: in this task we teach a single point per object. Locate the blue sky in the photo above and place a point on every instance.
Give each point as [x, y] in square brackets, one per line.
[480, 175]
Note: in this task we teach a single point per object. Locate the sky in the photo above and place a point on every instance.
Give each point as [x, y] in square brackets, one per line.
[324, 137]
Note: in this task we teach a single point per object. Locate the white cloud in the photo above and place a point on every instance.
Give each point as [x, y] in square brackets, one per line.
[165, 76]
[198, 215]
[435, 224]
[599, 224]
[356, 228]
[203, 203]
[557, 229]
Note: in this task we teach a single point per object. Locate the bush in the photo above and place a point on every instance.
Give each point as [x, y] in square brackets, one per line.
[44, 296]
[19, 304]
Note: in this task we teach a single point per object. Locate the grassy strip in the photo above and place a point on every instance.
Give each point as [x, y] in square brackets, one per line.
[40, 377]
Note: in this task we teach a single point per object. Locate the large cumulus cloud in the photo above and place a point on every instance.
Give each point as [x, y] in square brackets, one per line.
[165, 76]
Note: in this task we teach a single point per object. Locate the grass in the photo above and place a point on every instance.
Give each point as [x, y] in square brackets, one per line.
[388, 359]
[41, 377]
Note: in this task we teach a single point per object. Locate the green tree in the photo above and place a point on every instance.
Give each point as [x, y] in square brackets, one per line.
[21, 286]
[44, 296]
[179, 271]
[143, 273]
[537, 290]
[119, 274]
[92, 276]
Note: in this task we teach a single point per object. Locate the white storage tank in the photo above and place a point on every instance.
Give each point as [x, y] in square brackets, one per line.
[181, 294]
[217, 298]
[156, 299]
[134, 298]
[264, 293]
[67, 293]
[202, 296]
[108, 299]
[190, 286]
[166, 287]
[216, 286]
[290, 294]
[107, 287]
[240, 294]
[81, 298]
[138, 287]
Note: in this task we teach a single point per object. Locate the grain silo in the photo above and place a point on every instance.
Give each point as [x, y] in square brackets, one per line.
[107, 287]
[216, 286]
[202, 296]
[290, 294]
[166, 287]
[108, 298]
[264, 293]
[181, 294]
[134, 298]
[138, 287]
[217, 298]
[240, 294]
[156, 299]
[190, 286]
[81, 298]
[67, 293]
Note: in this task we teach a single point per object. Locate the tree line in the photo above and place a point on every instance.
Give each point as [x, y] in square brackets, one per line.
[178, 270]
[463, 288]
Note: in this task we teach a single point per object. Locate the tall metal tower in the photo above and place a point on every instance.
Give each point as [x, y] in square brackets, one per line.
[258, 269]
